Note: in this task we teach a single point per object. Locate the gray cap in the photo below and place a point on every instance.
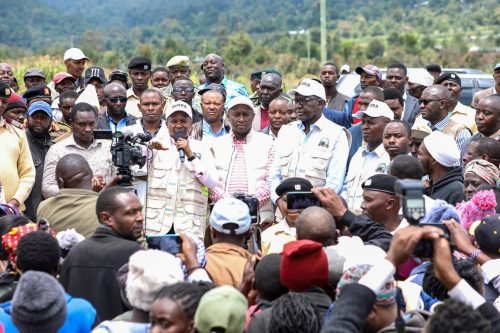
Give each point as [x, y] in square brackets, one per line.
[34, 72]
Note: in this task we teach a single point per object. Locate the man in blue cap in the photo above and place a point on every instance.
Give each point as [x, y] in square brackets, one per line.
[37, 133]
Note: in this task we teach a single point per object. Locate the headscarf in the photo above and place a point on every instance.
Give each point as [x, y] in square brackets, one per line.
[484, 169]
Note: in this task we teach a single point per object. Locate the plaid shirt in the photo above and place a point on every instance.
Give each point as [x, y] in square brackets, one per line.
[461, 136]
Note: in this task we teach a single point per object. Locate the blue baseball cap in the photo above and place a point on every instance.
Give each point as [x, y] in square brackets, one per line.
[40, 106]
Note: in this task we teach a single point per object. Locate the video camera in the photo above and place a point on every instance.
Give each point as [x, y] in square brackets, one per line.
[126, 151]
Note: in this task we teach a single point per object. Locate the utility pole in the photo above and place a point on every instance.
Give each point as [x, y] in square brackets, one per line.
[323, 30]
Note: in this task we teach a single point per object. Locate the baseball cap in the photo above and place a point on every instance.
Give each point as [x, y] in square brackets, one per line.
[487, 233]
[497, 66]
[40, 106]
[345, 68]
[74, 54]
[309, 87]
[179, 106]
[222, 307]
[178, 60]
[34, 72]
[369, 69]
[59, 77]
[230, 216]
[95, 72]
[240, 100]
[376, 109]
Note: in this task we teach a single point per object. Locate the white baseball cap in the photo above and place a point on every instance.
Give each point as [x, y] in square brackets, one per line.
[376, 109]
[179, 106]
[230, 216]
[240, 100]
[309, 87]
[74, 54]
[421, 77]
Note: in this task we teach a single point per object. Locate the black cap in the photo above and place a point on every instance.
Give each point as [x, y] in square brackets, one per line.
[40, 90]
[487, 234]
[214, 86]
[119, 76]
[258, 75]
[139, 63]
[449, 77]
[5, 91]
[294, 184]
[95, 73]
[380, 183]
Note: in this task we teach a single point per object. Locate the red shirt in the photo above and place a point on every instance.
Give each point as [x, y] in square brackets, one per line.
[264, 118]
[355, 108]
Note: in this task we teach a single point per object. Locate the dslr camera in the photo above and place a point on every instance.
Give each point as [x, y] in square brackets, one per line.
[253, 205]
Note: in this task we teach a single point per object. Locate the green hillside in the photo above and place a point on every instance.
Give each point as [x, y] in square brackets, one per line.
[255, 34]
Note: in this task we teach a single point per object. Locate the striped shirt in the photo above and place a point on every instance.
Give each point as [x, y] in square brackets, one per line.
[238, 180]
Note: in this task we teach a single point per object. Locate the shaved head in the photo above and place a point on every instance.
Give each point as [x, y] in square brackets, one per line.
[73, 171]
[439, 91]
[114, 87]
[316, 224]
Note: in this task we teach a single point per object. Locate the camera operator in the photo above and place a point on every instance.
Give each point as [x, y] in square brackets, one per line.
[180, 172]
[243, 158]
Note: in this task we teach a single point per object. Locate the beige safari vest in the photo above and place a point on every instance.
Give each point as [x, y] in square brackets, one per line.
[175, 196]
[310, 160]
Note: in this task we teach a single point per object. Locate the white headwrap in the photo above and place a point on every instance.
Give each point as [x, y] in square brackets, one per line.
[442, 148]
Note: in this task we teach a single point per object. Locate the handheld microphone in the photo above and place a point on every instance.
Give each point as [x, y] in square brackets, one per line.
[179, 134]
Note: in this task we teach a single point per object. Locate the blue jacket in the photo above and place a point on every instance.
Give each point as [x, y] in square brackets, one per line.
[80, 318]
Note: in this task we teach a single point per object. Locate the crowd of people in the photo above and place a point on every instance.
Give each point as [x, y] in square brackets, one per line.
[274, 211]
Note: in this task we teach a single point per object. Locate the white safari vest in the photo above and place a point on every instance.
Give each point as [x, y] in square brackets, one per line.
[175, 196]
[257, 151]
[310, 160]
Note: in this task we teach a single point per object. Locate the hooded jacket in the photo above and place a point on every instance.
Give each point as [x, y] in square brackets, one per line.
[450, 188]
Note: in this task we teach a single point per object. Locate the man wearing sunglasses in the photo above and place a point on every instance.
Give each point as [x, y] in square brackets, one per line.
[115, 118]
[434, 108]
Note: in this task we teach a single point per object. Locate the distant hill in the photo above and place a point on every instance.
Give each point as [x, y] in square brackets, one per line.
[254, 32]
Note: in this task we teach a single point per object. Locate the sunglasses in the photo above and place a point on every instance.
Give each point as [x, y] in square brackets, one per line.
[115, 100]
[186, 90]
[427, 101]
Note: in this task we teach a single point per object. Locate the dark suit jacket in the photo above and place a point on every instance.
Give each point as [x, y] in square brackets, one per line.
[412, 108]
[102, 121]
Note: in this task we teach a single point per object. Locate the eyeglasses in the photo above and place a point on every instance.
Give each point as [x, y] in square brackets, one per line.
[427, 101]
[304, 100]
[179, 90]
[115, 100]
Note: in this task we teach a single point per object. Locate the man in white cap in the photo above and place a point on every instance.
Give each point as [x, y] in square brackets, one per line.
[370, 159]
[438, 155]
[179, 174]
[418, 81]
[74, 60]
[229, 226]
[243, 158]
[313, 147]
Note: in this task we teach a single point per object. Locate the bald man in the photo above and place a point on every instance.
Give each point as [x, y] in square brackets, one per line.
[269, 89]
[213, 68]
[74, 205]
[317, 224]
[434, 112]
[116, 117]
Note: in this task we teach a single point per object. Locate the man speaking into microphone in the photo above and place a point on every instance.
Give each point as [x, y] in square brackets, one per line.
[180, 174]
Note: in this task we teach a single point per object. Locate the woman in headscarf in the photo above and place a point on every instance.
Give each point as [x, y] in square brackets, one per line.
[477, 173]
